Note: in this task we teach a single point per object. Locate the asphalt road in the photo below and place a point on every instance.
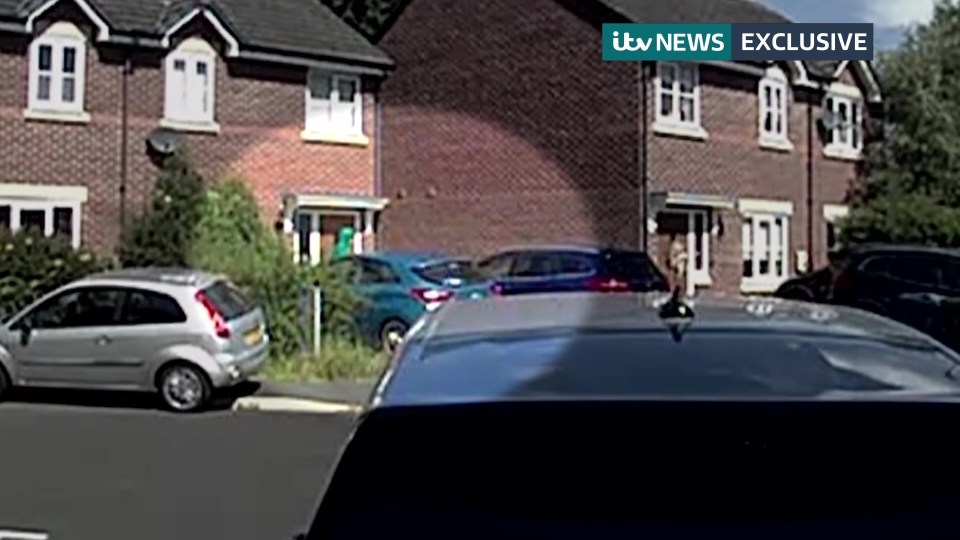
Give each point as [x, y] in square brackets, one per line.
[116, 473]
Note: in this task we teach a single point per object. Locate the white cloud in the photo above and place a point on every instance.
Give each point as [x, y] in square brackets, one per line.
[898, 12]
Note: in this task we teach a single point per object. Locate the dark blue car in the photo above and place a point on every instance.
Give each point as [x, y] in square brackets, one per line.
[398, 288]
[551, 269]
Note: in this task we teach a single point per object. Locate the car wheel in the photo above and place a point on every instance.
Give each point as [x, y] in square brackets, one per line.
[184, 388]
[391, 334]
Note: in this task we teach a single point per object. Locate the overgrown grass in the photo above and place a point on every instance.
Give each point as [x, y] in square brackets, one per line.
[339, 359]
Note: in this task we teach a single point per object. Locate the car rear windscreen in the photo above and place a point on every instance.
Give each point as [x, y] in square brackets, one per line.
[441, 273]
[228, 299]
[632, 266]
[610, 470]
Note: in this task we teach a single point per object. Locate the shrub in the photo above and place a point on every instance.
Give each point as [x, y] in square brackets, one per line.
[32, 265]
[339, 359]
[232, 239]
[164, 233]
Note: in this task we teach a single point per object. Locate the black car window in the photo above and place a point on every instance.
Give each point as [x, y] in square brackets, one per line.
[535, 264]
[878, 266]
[375, 272]
[76, 308]
[149, 307]
[229, 300]
[445, 271]
[574, 263]
[919, 270]
[497, 266]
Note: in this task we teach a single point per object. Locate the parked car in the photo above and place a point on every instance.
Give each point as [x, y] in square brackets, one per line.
[916, 285]
[398, 288]
[551, 269]
[180, 333]
[637, 416]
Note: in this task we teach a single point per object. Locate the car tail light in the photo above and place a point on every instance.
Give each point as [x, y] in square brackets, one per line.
[219, 324]
[431, 296]
[496, 289]
[842, 281]
[607, 285]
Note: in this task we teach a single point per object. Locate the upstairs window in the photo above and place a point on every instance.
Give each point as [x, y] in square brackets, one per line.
[334, 104]
[57, 69]
[190, 84]
[773, 108]
[844, 115]
[678, 94]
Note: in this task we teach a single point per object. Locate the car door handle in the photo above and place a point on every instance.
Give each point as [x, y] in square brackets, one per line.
[104, 340]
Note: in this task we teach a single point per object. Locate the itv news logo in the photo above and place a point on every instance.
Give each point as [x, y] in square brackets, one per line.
[817, 41]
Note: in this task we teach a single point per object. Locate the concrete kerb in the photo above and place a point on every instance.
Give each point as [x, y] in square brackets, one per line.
[292, 404]
[330, 397]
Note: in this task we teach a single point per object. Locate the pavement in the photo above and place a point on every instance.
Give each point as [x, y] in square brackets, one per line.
[114, 470]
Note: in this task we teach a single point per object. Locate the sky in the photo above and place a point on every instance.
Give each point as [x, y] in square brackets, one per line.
[890, 17]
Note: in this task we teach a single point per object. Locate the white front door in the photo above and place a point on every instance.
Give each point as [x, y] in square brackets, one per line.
[698, 249]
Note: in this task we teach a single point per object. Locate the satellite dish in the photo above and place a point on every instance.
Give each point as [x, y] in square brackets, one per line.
[830, 120]
[164, 141]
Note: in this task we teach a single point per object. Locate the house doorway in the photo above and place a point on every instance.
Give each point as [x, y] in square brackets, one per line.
[686, 230]
[318, 231]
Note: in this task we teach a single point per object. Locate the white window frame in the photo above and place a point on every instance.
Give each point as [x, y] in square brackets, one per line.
[850, 96]
[754, 212]
[47, 206]
[832, 213]
[189, 99]
[774, 82]
[699, 276]
[671, 123]
[58, 37]
[320, 112]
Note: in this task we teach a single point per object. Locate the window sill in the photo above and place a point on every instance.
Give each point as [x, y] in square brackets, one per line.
[686, 131]
[63, 117]
[776, 144]
[190, 127]
[842, 153]
[334, 138]
[766, 285]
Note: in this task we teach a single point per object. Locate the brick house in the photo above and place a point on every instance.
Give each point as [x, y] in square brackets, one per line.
[280, 93]
[502, 126]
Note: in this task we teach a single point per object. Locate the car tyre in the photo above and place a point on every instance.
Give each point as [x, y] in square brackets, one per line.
[184, 388]
[391, 334]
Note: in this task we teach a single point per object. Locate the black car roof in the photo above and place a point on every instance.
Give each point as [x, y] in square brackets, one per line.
[603, 346]
[871, 248]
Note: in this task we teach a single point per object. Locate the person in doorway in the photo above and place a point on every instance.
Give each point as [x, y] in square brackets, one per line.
[678, 262]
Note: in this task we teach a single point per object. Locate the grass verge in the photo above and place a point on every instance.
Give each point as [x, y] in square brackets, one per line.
[339, 359]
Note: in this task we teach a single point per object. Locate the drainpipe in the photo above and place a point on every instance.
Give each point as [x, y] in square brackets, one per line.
[377, 162]
[644, 170]
[124, 129]
[810, 150]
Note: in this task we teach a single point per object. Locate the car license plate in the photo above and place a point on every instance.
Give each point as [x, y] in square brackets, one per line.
[254, 336]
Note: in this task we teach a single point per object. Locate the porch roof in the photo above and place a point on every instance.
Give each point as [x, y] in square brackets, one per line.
[703, 200]
[339, 201]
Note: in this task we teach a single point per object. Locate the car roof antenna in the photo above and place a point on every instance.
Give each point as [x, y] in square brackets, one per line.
[677, 314]
[675, 307]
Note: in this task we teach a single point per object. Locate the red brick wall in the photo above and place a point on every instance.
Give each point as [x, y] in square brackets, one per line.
[495, 134]
[260, 109]
[501, 127]
[731, 162]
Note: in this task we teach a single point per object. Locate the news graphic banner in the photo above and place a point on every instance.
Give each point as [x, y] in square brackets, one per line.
[735, 42]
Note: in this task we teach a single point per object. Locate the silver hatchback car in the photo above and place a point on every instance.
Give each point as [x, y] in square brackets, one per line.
[180, 333]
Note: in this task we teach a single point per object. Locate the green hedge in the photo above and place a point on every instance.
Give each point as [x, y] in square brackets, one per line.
[32, 265]
[231, 238]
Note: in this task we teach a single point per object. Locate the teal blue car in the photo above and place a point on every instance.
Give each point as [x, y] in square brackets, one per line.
[399, 288]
